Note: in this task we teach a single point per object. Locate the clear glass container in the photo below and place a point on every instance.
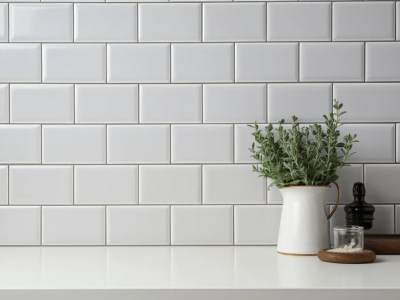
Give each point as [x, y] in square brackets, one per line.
[348, 238]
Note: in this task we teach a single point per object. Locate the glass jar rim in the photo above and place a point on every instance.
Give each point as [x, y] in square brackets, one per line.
[349, 228]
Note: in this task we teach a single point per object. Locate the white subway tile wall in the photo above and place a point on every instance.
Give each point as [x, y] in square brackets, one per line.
[126, 123]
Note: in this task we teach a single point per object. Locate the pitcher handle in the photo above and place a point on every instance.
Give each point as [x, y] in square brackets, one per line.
[337, 201]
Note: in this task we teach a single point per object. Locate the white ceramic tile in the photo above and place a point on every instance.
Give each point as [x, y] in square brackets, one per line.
[41, 185]
[20, 63]
[72, 0]
[376, 142]
[170, 184]
[358, 21]
[331, 61]
[3, 185]
[20, 144]
[106, 184]
[244, 22]
[76, 144]
[362, 101]
[172, 103]
[226, 103]
[382, 184]
[299, 21]
[20, 225]
[4, 103]
[138, 144]
[180, 22]
[41, 22]
[138, 63]
[196, 0]
[266, 62]
[257, 224]
[68, 225]
[202, 225]
[309, 102]
[398, 21]
[96, 103]
[383, 219]
[243, 141]
[398, 143]
[202, 63]
[74, 63]
[382, 62]
[105, 22]
[397, 219]
[347, 177]
[41, 103]
[233, 184]
[202, 143]
[127, 225]
[3, 22]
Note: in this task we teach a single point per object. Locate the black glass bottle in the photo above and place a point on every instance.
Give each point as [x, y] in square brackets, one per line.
[359, 212]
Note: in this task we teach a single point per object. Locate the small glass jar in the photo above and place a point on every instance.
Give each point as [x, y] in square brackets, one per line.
[348, 238]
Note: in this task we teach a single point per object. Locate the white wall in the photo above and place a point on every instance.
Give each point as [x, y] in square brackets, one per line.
[125, 123]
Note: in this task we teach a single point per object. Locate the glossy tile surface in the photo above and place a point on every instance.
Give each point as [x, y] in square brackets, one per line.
[201, 225]
[20, 63]
[20, 144]
[83, 225]
[42, 103]
[179, 22]
[41, 22]
[357, 21]
[105, 184]
[175, 184]
[232, 185]
[105, 22]
[74, 144]
[127, 225]
[229, 22]
[201, 143]
[266, 62]
[74, 63]
[331, 62]
[41, 185]
[138, 63]
[99, 103]
[138, 144]
[202, 63]
[298, 21]
[238, 103]
[172, 103]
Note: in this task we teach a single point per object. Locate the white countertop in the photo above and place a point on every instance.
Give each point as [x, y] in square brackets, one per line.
[224, 272]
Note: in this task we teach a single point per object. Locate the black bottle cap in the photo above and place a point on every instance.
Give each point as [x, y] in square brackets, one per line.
[359, 212]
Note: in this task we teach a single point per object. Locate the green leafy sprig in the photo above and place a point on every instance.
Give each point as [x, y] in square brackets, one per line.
[302, 155]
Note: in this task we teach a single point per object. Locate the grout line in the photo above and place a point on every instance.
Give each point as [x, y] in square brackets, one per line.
[201, 22]
[233, 224]
[298, 62]
[138, 185]
[8, 185]
[105, 225]
[41, 226]
[170, 225]
[8, 22]
[201, 184]
[106, 143]
[73, 185]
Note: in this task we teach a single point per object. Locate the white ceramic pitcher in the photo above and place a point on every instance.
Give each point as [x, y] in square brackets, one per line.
[304, 228]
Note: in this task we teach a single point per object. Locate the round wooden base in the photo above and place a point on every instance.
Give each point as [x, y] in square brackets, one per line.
[364, 257]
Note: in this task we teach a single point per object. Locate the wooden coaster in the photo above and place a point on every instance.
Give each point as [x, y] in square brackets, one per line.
[387, 244]
[364, 257]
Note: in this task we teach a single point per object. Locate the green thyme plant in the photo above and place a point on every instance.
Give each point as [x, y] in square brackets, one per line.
[302, 155]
